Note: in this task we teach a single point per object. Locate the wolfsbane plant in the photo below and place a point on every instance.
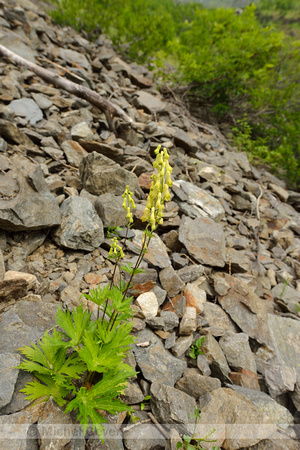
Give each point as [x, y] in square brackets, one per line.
[82, 366]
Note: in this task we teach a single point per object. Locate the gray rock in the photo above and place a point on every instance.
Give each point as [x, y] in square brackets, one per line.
[202, 364]
[19, 45]
[172, 406]
[81, 227]
[278, 441]
[133, 393]
[204, 240]
[81, 131]
[53, 415]
[246, 309]
[74, 152]
[143, 437]
[170, 281]
[113, 439]
[195, 296]
[170, 319]
[42, 100]
[8, 376]
[202, 204]
[18, 401]
[191, 273]
[237, 351]
[213, 352]
[25, 322]
[276, 412]
[26, 107]
[30, 206]
[195, 384]
[173, 439]
[148, 102]
[12, 134]
[182, 139]
[155, 362]
[110, 210]
[156, 254]
[181, 345]
[217, 321]
[239, 423]
[100, 175]
[286, 294]
[72, 56]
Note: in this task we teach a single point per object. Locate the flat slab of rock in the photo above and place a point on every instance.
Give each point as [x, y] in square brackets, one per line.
[24, 323]
[276, 412]
[8, 376]
[26, 107]
[156, 255]
[246, 309]
[30, 205]
[196, 202]
[195, 384]
[204, 239]
[155, 362]
[148, 102]
[243, 423]
[101, 175]
[81, 227]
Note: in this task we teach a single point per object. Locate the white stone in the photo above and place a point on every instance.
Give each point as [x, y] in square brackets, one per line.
[13, 275]
[188, 322]
[148, 304]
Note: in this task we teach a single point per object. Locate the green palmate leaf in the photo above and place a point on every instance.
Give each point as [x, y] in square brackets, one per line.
[50, 359]
[74, 323]
[102, 396]
[128, 267]
[100, 356]
[36, 390]
[98, 295]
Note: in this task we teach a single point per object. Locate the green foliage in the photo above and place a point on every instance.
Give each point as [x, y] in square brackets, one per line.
[193, 442]
[82, 365]
[235, 66]
[196, 349]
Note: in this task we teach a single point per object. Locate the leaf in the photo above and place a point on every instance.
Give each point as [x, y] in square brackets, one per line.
[98, 295]
[74, 323]
[100, 397]
[36, 390]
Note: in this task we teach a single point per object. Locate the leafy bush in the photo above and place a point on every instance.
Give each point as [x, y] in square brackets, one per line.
[232, 65]
[82, 366]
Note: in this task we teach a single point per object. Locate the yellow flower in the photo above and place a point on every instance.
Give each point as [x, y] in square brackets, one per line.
[127, 203]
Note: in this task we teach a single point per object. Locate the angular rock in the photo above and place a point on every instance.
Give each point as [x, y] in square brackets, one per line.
[217, 321]
[53, 415]
[24, 323]
[81, 227]
[172, 406]
[110, 210]
[202, 364]
[156, 254]
[196, 202]
[74, 152]
[148, 304]
[288, 295]
[13, 289]
[243, 423]
[8, 376]
[195, 384]
[213, 353]
[156, 363]
[2, 267]
[143, 437]
[101, 175]
[81, 131]
[26, 107]
[148, 102]
[188, 322]
[276, 412]
[245, 378]
[195, 297]
[181, 345]
[237, 350]
[183, 140]
[204, 239]
[170, 281]
[246, 309]
[30, 206]
[170, 319]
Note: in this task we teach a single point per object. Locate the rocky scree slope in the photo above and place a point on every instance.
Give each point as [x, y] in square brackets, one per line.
[224, 265]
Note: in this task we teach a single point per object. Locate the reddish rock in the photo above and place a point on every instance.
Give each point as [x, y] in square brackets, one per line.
[141, 288]
[245, 378]
[93, 278]
[145, 181]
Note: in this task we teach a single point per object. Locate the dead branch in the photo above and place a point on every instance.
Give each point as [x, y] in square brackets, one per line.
[109, 109]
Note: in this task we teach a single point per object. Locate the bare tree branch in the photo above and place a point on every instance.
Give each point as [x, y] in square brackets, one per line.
[110, 110]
